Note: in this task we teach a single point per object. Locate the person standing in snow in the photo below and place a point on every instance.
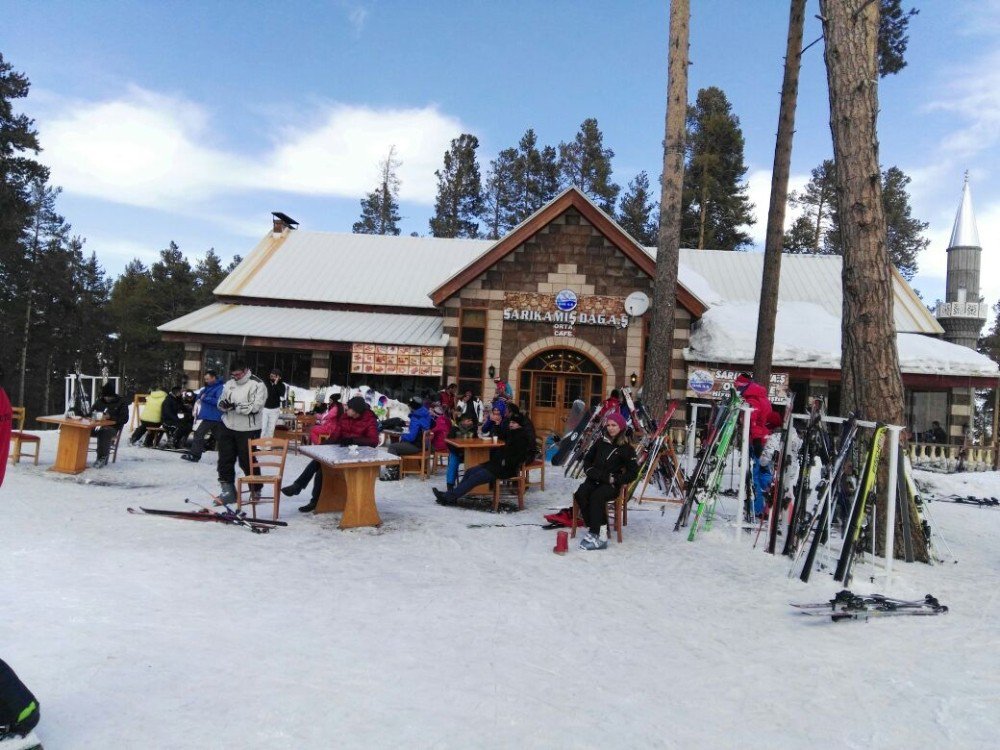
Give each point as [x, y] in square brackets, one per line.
[277, 394]
[211, 418]
[608, 465]
[242, 400]
[755, 395]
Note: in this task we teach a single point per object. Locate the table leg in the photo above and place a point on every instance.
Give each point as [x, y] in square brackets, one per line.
[360, 509]
[333, 496]
[71, 451]
[474, 457]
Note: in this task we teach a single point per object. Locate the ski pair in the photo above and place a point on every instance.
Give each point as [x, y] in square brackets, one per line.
[849, 606]
[227, 516]
[708, 494]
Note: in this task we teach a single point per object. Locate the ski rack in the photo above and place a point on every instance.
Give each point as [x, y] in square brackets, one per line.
[893, 479]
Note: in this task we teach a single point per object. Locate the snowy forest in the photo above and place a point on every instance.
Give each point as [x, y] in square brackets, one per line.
[63, 310]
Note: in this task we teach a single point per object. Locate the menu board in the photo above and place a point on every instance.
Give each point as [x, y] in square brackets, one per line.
[391, 359]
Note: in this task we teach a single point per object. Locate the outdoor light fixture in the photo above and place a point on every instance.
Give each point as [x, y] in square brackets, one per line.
[492, 371]
[634, 379]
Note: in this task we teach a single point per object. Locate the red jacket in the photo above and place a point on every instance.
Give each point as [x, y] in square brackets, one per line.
[360, 431]
[755, 396]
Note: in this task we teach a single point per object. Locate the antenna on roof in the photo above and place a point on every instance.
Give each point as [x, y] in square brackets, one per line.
[283, 222]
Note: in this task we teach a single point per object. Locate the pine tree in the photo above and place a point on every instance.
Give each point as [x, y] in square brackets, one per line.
[637, 212]
[499, 194]
[716, 206]
[816, 202]
[983, 420]
[535, 178]
[586, 163]
[18, 140]
[208, 274]
[459, 200]
[380, 208]
[134, 332]
[892, 36]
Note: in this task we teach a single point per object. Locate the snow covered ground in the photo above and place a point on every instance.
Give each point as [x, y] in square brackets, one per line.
[139, 632]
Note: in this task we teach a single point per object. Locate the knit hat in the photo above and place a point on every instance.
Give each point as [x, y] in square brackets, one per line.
[501, 407]
[618, 419]
[357, 404]
[108, 389]
[415, 403]
[742, 381]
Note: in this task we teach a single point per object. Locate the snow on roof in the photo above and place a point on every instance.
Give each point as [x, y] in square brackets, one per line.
[313, 325]
[808, 335]
[363, 269]
[718, 276]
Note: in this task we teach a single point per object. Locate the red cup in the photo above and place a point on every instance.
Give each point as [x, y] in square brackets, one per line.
[562, 543]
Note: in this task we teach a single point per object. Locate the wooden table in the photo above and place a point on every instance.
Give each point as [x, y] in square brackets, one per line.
[349, 478]
[476, 451]
[74, 438]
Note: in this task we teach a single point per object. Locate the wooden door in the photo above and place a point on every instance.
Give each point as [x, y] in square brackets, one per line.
[552, 396]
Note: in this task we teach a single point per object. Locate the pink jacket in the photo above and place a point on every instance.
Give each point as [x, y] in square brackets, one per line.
[328, 426]
[439, 431]
[756, 396]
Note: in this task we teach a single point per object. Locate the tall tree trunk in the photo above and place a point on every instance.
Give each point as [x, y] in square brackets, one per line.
[48, 384]
[656, 390]
[702, 213]
[774, 239]
[871, 380]
[24, 345]
[819, 225]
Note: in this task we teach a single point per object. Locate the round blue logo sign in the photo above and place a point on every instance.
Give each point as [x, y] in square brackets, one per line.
[566, 300]
[701, 381]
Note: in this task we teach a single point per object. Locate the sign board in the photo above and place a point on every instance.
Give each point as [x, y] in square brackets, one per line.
[564, 310]
[390, 359]
[712, 383]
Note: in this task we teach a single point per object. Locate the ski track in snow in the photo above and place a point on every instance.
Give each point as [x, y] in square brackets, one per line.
[142, 632]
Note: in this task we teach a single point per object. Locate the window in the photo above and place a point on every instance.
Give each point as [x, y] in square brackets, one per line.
[923, 408]
[471, 350]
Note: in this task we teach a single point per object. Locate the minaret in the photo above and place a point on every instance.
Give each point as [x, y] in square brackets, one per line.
[962, 314]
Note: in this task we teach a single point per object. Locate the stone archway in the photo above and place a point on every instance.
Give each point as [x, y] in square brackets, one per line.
[552, 373]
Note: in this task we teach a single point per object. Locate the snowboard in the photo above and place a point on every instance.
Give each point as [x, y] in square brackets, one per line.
[575, 423]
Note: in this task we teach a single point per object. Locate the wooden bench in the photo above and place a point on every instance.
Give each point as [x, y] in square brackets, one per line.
[19, 438]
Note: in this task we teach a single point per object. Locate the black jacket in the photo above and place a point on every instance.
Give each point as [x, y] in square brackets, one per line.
[275, 394]
[610, 463]
[507, 461]
[173, 407]
[114, 407]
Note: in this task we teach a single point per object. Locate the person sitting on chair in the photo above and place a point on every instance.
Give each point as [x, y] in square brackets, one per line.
[116, 408]
[936, 433]
[177, 419]
[504, 463]
[463, 429]
[609, 464]
[149, 416]
[356, 427]
[420, 421]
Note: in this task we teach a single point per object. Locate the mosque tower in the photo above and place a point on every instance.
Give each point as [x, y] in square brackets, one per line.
[962, 314]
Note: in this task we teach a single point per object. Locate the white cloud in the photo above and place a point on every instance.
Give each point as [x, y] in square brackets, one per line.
[760, 195]
[357, 15]
[153, 150]
[340, 155]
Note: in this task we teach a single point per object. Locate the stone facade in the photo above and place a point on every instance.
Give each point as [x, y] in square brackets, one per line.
[568, 253]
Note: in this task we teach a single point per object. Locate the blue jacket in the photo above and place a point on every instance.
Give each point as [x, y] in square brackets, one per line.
[420, 420]
[209, 399]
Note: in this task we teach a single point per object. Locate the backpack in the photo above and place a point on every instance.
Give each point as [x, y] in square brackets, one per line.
[18, 707]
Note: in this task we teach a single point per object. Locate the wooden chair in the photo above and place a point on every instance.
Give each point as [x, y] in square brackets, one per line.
[537, 465]
[267, 465]
[153, 436]
[619, 518]
[19, 438]
[92, 448]
[424, 459]
[517, 486]
[299, 435]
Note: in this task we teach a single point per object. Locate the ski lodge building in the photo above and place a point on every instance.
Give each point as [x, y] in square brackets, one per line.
[559, 308]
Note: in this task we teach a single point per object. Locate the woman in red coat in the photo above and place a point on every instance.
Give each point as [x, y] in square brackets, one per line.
[756, 396]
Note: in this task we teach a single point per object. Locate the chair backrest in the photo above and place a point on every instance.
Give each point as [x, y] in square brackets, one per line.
[138, 401]
[267, 456]
[17, 417]
[426, 443]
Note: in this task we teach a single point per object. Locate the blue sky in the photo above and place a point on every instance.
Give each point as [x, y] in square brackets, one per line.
[185, 122]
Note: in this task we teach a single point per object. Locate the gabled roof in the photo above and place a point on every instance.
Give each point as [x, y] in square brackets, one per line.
[349, 269]
[571, 197]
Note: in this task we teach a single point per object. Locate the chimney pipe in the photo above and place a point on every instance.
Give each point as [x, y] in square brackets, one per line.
[283, 222]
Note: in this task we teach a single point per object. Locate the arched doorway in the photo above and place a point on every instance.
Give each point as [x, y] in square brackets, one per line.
[552, 380]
